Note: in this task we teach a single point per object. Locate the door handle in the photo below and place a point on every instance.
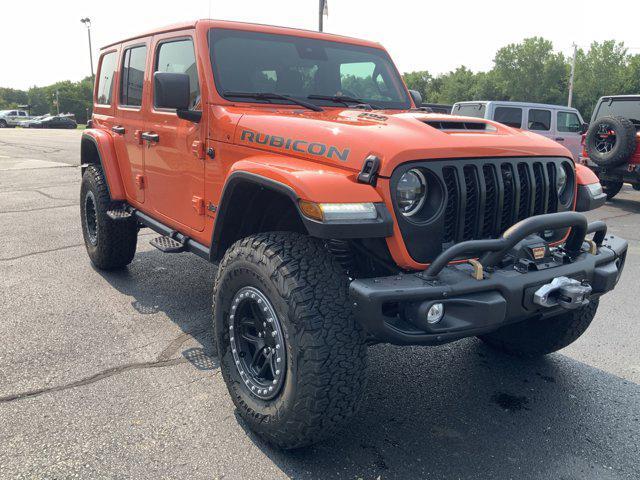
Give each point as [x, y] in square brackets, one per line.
[117, 129]
[150, 136]
[559, 139]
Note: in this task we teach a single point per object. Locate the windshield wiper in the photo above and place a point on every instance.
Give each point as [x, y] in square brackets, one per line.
[345, 100]
[273, 96]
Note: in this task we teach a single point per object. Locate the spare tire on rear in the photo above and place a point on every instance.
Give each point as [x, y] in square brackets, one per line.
[611, 141]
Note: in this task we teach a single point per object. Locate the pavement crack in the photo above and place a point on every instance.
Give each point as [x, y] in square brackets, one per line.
[17, 257]
[39, 209]
[110, 372]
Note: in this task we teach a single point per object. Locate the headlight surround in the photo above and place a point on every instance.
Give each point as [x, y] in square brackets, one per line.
[411, 192]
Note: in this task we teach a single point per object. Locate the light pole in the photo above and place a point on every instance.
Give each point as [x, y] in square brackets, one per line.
[87, 22]
[323, 10]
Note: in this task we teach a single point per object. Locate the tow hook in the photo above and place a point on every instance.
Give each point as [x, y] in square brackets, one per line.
[565, 292]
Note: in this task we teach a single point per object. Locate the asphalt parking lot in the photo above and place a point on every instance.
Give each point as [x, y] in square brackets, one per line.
[111, 375]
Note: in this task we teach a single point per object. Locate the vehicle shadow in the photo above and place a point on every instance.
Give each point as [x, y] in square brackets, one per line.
[180, 287]
[453, 411]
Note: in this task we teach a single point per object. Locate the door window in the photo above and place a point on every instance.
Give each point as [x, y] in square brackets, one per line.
[569, 122]
[539, 119]
[133, 66]
[178, 56]
[509, 116]
[105, 79]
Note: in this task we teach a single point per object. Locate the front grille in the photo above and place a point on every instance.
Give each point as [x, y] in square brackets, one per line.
[472, 199]
[490, 204]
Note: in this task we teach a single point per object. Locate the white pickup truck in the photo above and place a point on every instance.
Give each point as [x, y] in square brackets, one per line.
[11, 118]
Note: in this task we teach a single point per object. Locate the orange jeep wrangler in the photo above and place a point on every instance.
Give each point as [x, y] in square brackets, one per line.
[339, 214]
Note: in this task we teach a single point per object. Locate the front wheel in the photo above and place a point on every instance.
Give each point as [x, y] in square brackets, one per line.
[535, 337]
[291, 353]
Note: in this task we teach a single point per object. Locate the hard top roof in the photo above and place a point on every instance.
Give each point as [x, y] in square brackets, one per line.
[517, 104]
[255, 27]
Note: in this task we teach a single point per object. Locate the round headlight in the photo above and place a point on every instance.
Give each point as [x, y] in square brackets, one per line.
[411, 192]
[561, 180]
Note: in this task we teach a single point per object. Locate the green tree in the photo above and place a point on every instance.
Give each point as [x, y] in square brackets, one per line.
[531, 71]
[602, 70]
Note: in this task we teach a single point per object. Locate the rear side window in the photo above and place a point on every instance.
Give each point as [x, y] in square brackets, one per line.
[569, 122]
[178, 57]
[539, 119]
[105, 81]
[470, 110]
[509, 116]
[133, 66]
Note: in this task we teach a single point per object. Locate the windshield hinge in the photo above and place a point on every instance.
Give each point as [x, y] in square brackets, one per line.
[369, 172]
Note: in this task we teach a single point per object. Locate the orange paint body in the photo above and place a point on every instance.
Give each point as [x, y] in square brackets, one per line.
[167, 180]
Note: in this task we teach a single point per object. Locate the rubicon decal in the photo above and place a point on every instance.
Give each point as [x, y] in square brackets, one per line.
[294, 145]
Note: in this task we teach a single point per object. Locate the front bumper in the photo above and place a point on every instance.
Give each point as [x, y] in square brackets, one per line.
[393, 309]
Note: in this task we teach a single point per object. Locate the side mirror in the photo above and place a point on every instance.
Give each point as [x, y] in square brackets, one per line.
[416, 97]
[585, 128]
[172, 90]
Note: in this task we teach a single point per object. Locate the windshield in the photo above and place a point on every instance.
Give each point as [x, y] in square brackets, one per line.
[255, 62]
[621, 107]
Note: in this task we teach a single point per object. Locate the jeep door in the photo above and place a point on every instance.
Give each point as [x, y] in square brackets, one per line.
[569, 131]
[129, 116]
[174, 163]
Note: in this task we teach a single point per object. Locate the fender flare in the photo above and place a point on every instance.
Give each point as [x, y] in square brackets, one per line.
[107, 158]
[378, 228]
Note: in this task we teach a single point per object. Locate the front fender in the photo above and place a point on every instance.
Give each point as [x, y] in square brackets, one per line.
[310, 181]
[97, 147]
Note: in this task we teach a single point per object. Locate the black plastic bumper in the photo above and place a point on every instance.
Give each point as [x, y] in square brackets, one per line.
[393, 309]
[629, 173]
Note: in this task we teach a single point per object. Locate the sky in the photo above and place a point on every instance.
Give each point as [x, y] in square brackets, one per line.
[43, 41]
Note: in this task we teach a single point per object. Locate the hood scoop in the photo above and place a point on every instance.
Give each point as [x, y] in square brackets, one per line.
[460, 126]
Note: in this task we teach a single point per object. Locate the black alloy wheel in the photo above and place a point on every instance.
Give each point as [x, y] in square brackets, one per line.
[257, 343]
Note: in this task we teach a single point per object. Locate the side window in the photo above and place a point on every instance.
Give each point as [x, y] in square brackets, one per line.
[539, 119]
[105, 81]
[178, 57]
[133, 65]
[13, 113]
[569, 122]
[509, 116]
[22, 114]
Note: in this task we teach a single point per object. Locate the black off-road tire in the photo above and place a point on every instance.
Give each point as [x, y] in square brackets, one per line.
[325, 371]
[625, 143]
[636, 187]
[534, 337]
[111, 244]
[3, 124]
[611, 188]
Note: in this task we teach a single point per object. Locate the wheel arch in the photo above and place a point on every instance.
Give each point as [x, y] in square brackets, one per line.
[273, 206]
[96, 148]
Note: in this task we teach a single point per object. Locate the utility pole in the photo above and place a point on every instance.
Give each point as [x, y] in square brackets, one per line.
[87, 22]
[573, 72]
[323, 10]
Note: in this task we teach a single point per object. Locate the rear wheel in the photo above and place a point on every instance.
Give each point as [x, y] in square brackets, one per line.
[535, 337]
[611, 188]
[291, 353]
[110, 243]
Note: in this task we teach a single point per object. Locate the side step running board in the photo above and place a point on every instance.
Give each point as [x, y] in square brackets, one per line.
[119, 214]
[170, 241]
[168, 245]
